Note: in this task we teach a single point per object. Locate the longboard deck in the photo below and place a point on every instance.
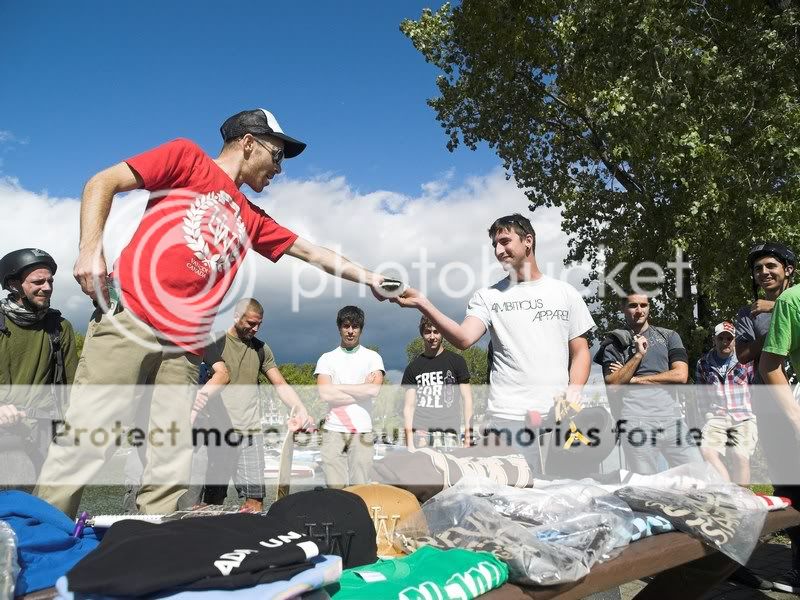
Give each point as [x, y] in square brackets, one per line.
[285, 468]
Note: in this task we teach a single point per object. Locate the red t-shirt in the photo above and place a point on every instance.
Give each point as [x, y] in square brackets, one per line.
[194, 234]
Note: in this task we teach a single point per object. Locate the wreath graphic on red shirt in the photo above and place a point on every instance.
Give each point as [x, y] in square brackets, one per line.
[227, 244]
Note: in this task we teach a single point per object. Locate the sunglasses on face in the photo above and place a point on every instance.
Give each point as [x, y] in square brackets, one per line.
[277, 153]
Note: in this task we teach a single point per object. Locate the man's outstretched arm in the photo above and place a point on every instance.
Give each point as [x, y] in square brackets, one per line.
[335, 264]
[461, 336]
[98, 193]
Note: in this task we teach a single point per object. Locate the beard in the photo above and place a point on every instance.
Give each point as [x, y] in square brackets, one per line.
[34, 303]
[244, 333]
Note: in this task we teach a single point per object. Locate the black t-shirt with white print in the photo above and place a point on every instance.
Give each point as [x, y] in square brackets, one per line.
[438, 399]
[222, 552]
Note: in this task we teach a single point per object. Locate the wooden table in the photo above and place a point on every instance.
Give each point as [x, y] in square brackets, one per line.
[682, 566]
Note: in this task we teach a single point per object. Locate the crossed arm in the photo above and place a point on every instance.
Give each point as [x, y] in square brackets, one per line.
[341, 394]
[678, 373]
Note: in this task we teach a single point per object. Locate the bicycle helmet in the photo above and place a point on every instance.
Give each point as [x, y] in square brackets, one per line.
[14, 263]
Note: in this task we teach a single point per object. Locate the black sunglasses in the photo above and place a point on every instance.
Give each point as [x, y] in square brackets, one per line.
[277, 153]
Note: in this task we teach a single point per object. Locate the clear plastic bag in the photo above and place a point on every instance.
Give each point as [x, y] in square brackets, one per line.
[724, 516]
[697, 500]
[546, 537]
[9, 566]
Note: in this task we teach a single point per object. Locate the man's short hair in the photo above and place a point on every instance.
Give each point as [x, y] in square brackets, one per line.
[425, 322]
[517, 223]
[246, 305]
[623, 300]
[350, 313]
[233, 141]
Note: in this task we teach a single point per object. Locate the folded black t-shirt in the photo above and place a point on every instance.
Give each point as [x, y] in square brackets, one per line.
[222, 552]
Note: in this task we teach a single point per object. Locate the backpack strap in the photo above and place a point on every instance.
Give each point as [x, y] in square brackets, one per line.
[3, 328]
[258, 346]
[52, 326]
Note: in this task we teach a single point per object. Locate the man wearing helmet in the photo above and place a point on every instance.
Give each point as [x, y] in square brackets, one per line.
[772, 268]
[37, 349]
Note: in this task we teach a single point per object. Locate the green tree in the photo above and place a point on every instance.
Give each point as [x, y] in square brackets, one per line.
[79, 339]
[653, 126]
[301, 377]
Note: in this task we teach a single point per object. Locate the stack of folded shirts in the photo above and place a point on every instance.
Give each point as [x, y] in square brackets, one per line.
[227, 552]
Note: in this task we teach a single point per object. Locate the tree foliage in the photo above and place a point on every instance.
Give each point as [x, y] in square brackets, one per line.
[652, 126]
[79, 340]
[301, 377]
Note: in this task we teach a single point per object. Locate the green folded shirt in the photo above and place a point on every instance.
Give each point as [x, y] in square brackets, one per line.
[427, 573]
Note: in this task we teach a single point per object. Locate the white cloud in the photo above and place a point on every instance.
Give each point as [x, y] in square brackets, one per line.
[8, 137]
[446, 222]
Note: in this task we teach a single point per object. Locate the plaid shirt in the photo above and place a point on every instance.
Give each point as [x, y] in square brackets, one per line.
[731, 394]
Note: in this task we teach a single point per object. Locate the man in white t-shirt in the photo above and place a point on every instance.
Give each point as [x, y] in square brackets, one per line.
[537, 326]
[348, 379]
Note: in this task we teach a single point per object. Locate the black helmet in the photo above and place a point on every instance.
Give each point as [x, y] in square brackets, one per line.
[779, 251]
[14, 263]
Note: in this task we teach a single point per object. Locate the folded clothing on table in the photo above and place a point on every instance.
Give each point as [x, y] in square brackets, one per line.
[225, 552]
[46, 549]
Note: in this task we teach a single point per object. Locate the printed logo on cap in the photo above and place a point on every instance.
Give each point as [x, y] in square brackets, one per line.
[388, 505]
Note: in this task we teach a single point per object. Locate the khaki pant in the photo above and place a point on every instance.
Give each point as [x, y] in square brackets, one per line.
[103, 398]
[344, 453]
[721, 432]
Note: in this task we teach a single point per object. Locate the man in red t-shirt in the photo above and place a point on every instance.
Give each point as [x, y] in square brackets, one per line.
[154, 317]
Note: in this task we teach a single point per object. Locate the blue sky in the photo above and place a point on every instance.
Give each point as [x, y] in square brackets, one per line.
[90, 83]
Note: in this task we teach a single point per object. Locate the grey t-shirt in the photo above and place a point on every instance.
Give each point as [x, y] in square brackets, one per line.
[646, 401]
[749, 329]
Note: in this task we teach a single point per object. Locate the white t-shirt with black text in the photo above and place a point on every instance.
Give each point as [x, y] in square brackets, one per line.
[349, 367]
[531, 324]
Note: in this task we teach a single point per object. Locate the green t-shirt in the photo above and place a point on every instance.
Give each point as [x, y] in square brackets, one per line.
[783, 338]
[240, 397]
[427, 573]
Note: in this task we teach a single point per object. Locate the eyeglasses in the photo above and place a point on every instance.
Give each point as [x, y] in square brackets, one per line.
[277, 153]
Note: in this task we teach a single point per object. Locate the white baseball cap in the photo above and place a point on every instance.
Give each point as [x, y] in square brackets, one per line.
[725, 327]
